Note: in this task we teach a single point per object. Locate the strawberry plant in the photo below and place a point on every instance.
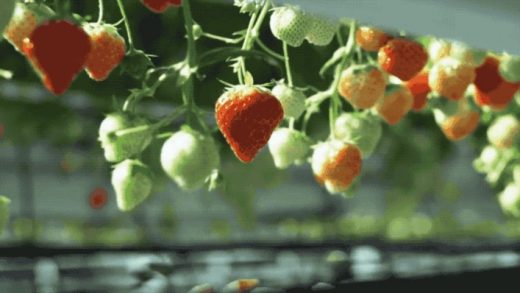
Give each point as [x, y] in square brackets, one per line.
[240, 104]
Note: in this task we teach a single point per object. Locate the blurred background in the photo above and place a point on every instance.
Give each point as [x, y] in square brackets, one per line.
[420, 210]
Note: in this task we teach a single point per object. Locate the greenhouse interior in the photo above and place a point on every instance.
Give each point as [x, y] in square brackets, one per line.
[258, 146]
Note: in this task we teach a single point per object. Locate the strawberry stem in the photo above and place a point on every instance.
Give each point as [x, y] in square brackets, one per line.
[191, 59]
[101, 10]
[313, 102]
[287, 64]
[268, 50]
[127, 25]
[245, 46]
[253, 31]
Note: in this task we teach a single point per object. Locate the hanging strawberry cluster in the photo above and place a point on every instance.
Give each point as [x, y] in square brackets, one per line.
[376, 78]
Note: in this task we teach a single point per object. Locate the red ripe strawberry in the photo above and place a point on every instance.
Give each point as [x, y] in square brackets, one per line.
[25, 19]
[419, 88]
[159, 6]
[108, 50]
[247, 116]
[58, 50]
[336, 164]
[490, 88]
[396, 102]
[371, 39]
[487, 75]
[403, 58]
[450, 78]
[98, 198]
[362, 85]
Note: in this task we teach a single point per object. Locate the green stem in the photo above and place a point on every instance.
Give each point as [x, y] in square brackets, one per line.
[253, 31]
[241, 61]
[222, 39]
[191, 60]
[101, 10]
[314, 101]
[127, 24]
[287, 64]
[264, 47]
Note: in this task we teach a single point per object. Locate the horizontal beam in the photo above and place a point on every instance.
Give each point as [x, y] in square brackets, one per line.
[484, 24]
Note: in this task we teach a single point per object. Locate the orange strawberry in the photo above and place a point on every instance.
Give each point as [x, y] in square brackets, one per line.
[394, 105]
[108, 50]
[419, 88]
[450, 78]
[25, 19]
[247, 116]
[403, 58]
[371, 38]
[456, 119]
[336, 164]
[362, 85]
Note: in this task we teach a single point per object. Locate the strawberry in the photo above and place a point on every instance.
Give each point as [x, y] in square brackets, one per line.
[290, 24]
[489, 159]
[456, 119]
[487, 75]
[371, 39]
[159, 6]
[499, 98]
[26, 17]
[362, 85]
[189, 157]
[450, 78]
[288, 146]
[58, 50]
[336, 164]
[123, 136]
[360, 129]
[108, 50]
[509, 199]
[4, 212]
[395, 103]
[438, 49]
[247, 116]
[241, 286]
[510, 68]
[132, 182]
[467, 55]
[322, 30]
[292, 100]
[98, 198]
[504, 132]
[402, 58]
[419, 88]
[490, 88]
